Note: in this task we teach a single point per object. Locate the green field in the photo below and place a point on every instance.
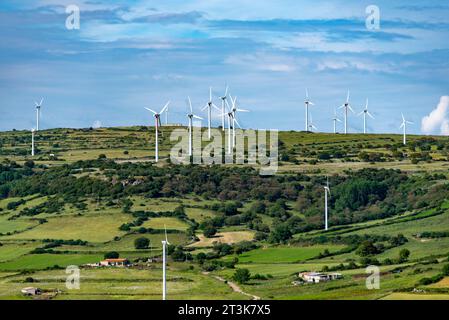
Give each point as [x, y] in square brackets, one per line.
[32, 239]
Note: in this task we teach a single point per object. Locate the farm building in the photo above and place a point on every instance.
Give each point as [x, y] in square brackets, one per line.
[316, 277]
[115, 263]
[31, 291]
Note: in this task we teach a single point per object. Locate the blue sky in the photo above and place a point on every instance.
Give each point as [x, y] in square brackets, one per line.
[128, 55]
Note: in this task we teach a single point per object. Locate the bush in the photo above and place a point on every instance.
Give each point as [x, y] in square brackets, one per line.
[209, 231]
[242, 276]
[112, 255]
[141, 243]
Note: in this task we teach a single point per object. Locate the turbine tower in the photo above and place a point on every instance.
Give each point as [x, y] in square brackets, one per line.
[191, 116]
[307, 103]
[223, 108]
[347, 106]
[311, 125]
[335, 120]
[365, 113]
[38, 112]
[33, 132]
[234, 117]
[327, 193]
[404, 126]
[166, 116]
[209, 107]
[165, 243]
[230, 118]
[157, 118]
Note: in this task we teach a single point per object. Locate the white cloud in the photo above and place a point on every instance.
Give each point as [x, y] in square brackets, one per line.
[438, 119]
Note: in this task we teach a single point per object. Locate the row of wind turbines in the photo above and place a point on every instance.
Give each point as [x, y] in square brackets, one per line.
[347, 107]
[227, 111]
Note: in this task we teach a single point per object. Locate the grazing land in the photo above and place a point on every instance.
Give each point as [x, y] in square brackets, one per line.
[92, 193]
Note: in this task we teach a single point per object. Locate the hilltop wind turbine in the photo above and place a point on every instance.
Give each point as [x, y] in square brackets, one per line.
[234, 117]
[346, 106]
[33, 131]
[307, 103]
[191, 116]
[165, 243]
[223, 108]
[157, 118]
[209, 107]
[231, 119]
[335, 120]
[38, 111]
[365, 113]
[404, 126]
[311, 125]
[327, 193]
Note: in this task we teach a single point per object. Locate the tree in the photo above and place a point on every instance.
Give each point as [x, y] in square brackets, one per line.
[141, 243]
[281, 233]
[367, 248]
[242, 276]
[446, 270]
[404, 254]
[112, 255]
[209, 231]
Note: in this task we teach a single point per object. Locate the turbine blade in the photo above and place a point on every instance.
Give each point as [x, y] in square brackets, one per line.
[307, 94]
[165, 107]
[205, 107]
[42, 100]
[151, 110]
[210, 94]
[197, 117]
[235, 120]
[190, 105]
[370, 115]
[213, 105]
[242, 110]
[347, 98]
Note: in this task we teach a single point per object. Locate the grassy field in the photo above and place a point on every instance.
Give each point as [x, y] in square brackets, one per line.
[99, 224]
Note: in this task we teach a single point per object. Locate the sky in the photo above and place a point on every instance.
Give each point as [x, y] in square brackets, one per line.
[128, 55]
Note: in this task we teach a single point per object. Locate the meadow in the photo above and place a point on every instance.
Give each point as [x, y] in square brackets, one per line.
[105, 223]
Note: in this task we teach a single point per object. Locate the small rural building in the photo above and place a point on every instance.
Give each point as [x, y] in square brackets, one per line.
[31, 291]
[317, 277]
[115, 263]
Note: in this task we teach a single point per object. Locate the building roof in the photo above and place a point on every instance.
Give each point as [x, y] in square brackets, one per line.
[115, 260]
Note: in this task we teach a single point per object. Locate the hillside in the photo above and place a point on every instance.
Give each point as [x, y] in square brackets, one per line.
[91, 192]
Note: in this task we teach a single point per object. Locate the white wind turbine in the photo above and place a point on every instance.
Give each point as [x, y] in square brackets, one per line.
[234, 110]
[157, 118]
[335, 120]
[166, 116]
[404, 126]
[223, 108]
[327, 193]
[209, 107]
[311, 125]
[365, 113]
[347, 106]
[231, 119]
[191, 116]
[33, 132]
[165, 243]
[38, 112]
[307, 103]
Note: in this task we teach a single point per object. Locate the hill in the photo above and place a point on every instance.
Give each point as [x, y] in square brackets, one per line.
[91, 192]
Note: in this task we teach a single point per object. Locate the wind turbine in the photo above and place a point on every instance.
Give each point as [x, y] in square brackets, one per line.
[404, 126]
[157, 118]
[327, 193]
[230, 115]
[191, 116]
[166, 116]
[307, 103]
[38, 111]
[209, 106]
[165, 243]
[335, 120]
[311, 125]
[234, 117]
[365, 113]
[347, 106]
[223, 107]
[33, 132]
